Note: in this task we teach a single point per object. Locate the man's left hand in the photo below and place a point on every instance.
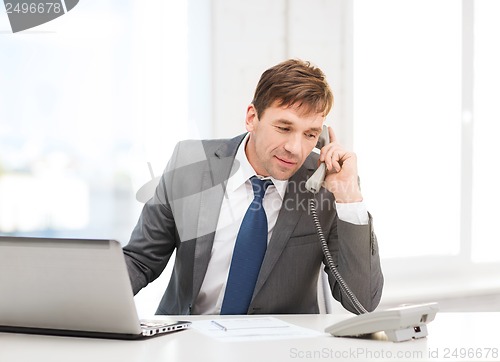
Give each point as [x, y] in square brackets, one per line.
[342, 171]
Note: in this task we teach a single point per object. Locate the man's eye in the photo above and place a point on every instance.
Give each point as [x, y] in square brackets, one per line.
[283, 129]
[311, 135]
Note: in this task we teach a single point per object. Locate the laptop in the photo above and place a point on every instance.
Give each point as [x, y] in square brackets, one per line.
[71, 287]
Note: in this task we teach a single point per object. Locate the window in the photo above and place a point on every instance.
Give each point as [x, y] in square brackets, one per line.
[425, 126]
[86, 101]
[486, 122]
[407, 122]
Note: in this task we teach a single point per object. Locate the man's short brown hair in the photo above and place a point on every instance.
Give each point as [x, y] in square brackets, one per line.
[294, 83]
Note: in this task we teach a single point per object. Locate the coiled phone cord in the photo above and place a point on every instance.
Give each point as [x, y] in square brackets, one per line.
[331, 265]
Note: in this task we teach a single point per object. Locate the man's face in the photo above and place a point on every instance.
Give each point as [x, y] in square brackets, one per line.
[281, 139]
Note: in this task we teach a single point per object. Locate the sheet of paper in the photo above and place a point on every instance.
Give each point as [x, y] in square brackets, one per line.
[244, 329]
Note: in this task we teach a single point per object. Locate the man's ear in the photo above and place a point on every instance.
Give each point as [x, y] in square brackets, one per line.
[251, 118]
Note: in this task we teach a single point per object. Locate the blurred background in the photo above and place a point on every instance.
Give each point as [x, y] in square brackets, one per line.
[89, 99]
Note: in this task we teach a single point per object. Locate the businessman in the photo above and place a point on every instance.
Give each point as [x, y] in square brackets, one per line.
[238, 216]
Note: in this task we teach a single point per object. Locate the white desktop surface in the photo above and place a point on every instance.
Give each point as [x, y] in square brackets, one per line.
[449, 335]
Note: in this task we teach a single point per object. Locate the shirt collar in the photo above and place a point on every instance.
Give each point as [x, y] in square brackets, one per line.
[245, 171]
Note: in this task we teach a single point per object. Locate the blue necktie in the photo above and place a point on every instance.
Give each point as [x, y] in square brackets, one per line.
[249, 250]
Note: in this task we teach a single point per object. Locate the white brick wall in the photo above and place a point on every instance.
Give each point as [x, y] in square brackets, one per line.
[247, 37]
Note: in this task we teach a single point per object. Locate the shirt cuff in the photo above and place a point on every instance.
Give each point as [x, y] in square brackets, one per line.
[354, 212]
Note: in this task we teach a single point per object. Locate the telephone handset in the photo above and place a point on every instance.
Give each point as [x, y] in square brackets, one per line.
[314, 183]
[399, 324]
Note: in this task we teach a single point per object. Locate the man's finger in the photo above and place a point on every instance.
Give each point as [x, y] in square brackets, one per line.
[333, 137]
[335, 161]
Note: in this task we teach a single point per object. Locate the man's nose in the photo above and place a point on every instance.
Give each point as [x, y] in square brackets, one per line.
[293, 144]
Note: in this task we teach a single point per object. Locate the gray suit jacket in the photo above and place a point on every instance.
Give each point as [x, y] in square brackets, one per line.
[183, 214]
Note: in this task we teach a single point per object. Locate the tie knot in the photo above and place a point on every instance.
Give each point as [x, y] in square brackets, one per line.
[259, 186]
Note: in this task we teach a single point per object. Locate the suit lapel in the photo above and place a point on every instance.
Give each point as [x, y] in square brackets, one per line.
[295, 203]
[212, 191]
[205, 239]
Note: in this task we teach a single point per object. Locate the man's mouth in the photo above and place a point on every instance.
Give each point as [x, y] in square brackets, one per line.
[286, 162]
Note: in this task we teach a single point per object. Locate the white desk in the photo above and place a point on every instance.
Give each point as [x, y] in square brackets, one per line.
[475, 333]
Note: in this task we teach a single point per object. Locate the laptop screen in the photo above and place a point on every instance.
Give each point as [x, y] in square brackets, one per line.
[66, 284]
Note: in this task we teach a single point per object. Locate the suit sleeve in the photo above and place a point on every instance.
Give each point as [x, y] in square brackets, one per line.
[154, 238]
[355, 252]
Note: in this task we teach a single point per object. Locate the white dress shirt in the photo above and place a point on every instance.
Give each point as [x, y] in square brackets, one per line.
[238, 197]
